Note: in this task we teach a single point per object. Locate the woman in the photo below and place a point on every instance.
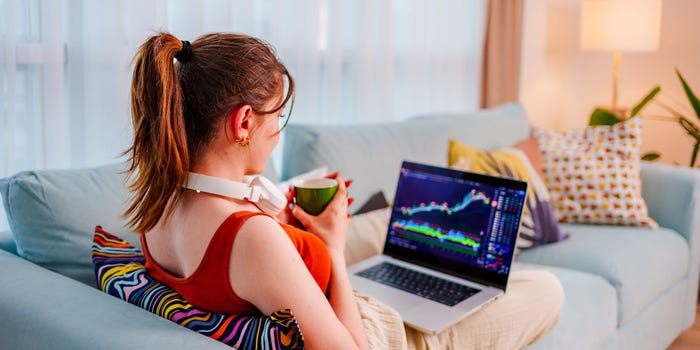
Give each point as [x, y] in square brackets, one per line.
[212, 108]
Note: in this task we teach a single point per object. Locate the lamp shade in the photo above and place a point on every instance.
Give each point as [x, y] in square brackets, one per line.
[620, 25]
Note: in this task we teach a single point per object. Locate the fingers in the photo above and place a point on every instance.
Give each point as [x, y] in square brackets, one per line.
[301, 215]
[335, 175]
[290, 194]
[350, 201]
[342, 189]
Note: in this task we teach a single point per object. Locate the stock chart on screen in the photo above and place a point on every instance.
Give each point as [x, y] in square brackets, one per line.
[455, 219]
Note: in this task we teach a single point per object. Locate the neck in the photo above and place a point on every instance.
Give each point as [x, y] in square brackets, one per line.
[220, 165]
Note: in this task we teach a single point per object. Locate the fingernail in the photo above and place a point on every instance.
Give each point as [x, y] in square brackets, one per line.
[291, 206]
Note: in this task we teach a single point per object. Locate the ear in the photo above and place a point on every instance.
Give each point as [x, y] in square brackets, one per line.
[238, 122]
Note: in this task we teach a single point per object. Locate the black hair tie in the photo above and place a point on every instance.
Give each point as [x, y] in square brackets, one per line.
[185, 54]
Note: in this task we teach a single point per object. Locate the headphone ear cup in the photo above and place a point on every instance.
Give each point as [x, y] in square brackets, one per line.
[258, 190]
[273, 201]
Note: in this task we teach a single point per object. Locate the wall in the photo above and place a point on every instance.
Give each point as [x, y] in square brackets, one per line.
[560, 84]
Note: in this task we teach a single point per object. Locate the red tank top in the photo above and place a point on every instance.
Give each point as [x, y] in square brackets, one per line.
[209, 287]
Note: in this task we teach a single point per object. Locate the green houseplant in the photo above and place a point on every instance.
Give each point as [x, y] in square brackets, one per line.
[602, 116]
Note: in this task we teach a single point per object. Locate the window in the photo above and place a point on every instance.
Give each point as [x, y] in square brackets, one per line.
[65, 64]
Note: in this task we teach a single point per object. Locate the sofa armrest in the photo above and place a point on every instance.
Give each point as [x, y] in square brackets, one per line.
[42, 309]
[672, 194]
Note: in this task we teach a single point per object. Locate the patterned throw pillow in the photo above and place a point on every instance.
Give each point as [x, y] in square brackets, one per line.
[539, 225]
[120, 271]
[593, 174]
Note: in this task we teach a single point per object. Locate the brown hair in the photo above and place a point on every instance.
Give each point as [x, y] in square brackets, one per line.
[177, 106]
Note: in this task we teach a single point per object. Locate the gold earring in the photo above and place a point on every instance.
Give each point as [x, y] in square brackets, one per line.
[243, 141]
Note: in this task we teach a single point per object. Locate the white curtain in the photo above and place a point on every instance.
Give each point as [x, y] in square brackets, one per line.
[65, 64]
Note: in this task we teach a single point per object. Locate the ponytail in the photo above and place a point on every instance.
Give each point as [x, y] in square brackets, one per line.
[217, 73]
[158, 156]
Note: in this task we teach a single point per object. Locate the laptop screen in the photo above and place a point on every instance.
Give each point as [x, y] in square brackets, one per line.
[460, 223]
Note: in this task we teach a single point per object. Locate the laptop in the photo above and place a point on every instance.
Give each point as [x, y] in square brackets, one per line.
[449, 247]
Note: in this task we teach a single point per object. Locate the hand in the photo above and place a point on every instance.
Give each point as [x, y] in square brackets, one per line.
[285, 216]
[331, 225]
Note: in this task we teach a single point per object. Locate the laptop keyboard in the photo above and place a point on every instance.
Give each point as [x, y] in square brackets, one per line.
[418, 283]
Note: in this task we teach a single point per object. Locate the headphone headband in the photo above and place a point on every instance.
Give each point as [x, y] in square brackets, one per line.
[261, 192]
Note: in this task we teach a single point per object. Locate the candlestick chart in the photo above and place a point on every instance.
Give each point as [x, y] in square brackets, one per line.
[458, 222]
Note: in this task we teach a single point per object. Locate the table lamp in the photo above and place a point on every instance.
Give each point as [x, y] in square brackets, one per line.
[620, 26]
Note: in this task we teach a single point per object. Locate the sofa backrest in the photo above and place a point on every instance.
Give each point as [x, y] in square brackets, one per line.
[52, 214]
[371, 154]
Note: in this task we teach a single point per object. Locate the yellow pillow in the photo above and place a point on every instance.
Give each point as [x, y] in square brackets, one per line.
[539, 225]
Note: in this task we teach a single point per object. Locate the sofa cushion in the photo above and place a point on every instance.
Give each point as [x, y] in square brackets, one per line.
[640, 263]
[366, 235]
[371, 154]
[589, 314]
[7, 242]
[506, 125]
[52, 212]
[120, 271]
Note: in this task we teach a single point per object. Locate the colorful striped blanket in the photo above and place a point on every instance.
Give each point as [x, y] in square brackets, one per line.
[120, 272]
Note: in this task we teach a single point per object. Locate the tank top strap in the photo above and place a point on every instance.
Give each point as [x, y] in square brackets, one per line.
[222, 242]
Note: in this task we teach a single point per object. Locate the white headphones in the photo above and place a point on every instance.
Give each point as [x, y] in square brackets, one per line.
[256, 189]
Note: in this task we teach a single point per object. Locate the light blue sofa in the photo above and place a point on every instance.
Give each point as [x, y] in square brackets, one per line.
[625, 288]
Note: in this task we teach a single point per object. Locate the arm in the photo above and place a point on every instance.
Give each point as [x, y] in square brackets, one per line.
[342, 300]
[331, 226]
[266, 270]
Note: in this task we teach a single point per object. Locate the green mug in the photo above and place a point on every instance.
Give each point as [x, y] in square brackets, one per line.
[313, 195]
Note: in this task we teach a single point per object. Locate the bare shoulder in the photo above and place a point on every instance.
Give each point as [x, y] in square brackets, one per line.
[264, 264]
[261, 240]
[261, 229]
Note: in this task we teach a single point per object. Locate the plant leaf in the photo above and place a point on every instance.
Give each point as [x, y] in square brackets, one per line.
[645, 100]
[695, 154]
[691, 96]
[689, 127]
[603, 117]
[651, 156]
